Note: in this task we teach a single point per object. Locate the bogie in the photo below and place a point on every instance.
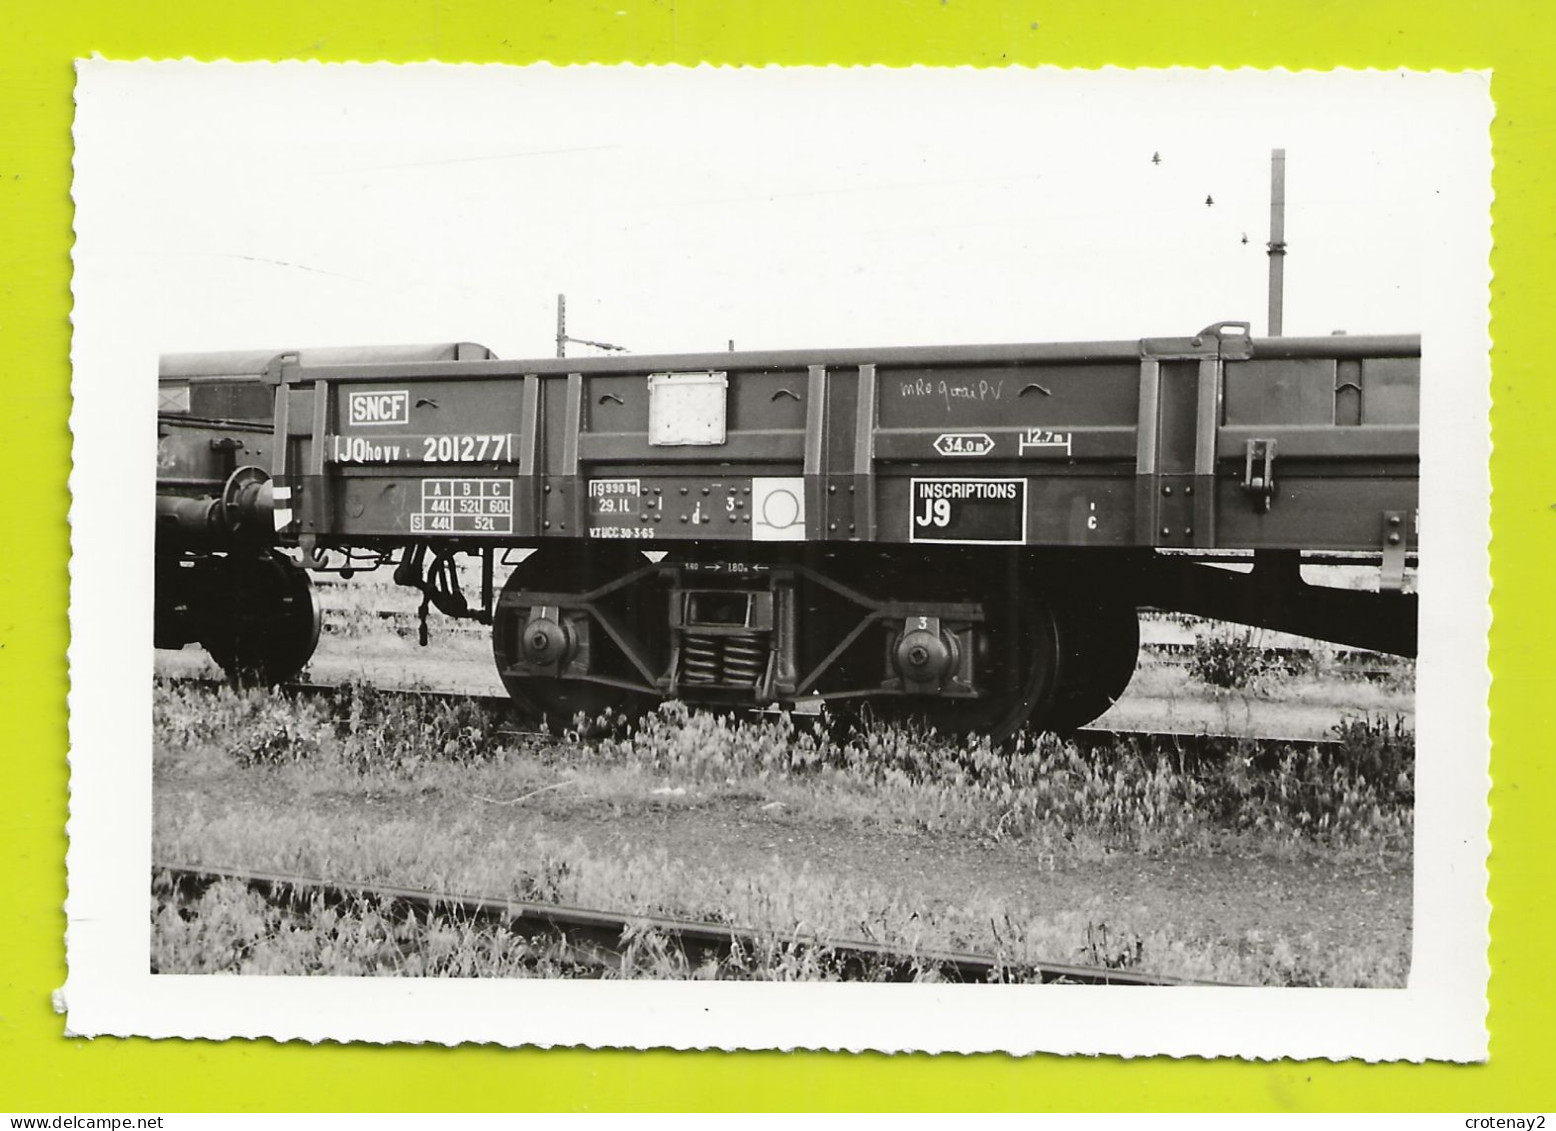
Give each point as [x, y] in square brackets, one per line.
[594, 628]
[565, 634]
[254, 612]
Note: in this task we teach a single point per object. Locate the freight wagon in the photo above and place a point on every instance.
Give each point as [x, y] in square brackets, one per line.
[960, 533]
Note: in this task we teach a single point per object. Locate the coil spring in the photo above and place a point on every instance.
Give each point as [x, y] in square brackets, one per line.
[745, 659]
[699, 659]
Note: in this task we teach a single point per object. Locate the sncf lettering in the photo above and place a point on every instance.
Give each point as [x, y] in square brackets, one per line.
[379, 407]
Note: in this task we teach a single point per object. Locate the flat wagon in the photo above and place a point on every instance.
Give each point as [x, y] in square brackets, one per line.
[963, 533]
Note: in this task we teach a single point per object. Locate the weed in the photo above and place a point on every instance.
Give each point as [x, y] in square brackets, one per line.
[379, 730]
[1043, 789]
[251, 725]
[231, 930]
[276, 739]
[1232, 658]
[1380, 751]
[1120, 950]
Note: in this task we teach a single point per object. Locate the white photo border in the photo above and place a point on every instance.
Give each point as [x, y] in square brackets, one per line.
[1440, 1016]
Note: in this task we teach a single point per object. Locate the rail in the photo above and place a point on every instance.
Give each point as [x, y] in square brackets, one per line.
[1147, 742]
[589, 930]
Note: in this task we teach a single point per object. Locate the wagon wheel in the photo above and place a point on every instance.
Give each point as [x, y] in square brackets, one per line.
[1017, 669]
[1101, 644]
[259, 620]
[575, 569]
[1018, 673]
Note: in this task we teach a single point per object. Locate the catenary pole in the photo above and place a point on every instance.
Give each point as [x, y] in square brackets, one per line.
[1277, 244]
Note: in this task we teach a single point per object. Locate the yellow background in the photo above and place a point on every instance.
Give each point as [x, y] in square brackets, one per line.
[42, 1070]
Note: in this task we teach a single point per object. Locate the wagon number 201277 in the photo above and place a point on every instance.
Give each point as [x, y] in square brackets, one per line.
[467, 449]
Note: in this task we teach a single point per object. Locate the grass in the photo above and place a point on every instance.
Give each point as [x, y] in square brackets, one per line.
[232, 930]
[1046, 789]
[423, 792]
[1357, 795]
[1231, 657]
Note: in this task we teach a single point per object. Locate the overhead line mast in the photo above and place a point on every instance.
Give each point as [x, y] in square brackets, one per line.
[1277, 244]
[561, 333]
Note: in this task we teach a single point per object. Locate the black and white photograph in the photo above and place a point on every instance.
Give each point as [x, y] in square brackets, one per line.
[937, 560]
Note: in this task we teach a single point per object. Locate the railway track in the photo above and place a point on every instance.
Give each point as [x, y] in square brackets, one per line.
[1147, 742]
[601, 936]
[1164, 643]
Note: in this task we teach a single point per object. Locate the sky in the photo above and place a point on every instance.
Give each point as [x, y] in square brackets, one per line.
[291, 205]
